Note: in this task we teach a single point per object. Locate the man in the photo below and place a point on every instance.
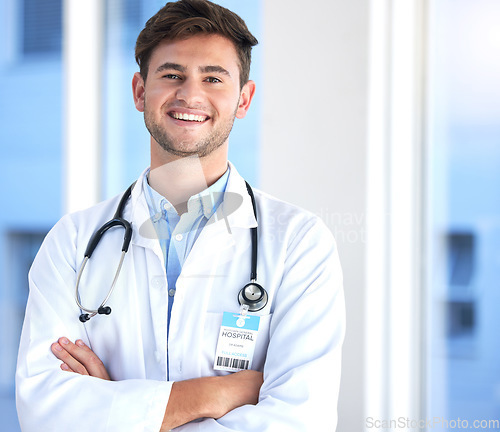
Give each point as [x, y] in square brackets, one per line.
[154, 363]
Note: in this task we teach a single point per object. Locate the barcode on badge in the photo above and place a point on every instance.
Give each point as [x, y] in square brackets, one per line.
[233, 363]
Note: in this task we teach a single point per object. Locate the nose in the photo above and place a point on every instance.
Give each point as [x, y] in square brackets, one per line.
[190, 92]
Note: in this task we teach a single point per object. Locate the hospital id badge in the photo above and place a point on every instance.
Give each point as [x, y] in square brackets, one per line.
[236, 344]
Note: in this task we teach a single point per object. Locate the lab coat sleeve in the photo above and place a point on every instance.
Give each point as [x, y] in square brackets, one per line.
[302, 368]
[49, 399]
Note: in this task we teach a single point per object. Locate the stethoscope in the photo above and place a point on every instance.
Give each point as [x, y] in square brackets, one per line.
[252, 294]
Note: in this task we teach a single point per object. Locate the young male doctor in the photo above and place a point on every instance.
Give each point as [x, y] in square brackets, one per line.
[160, 360]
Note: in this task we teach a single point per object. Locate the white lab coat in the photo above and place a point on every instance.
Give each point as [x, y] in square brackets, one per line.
[298, 344]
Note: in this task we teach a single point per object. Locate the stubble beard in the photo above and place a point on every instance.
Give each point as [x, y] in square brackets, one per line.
[204, 147]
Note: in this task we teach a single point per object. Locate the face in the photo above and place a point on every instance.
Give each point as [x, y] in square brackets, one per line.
[192, 95]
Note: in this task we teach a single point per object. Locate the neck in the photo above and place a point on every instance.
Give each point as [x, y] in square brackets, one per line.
[179, 178]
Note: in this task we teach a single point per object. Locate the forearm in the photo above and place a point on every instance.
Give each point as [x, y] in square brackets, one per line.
[303, 399]
[190, 400]
[210, 397]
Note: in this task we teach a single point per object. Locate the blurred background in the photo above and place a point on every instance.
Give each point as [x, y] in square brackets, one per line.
[382, 117]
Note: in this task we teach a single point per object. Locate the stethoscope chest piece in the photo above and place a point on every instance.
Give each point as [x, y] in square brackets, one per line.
[254, 296]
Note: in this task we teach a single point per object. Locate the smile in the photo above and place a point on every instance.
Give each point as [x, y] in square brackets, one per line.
[188, 117]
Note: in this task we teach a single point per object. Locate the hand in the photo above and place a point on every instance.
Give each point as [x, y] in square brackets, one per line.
[79, 358]
[240, 388]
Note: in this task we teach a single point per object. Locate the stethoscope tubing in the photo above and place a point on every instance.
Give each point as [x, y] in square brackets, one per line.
[94, 312]
[253, 233]
[253, 305]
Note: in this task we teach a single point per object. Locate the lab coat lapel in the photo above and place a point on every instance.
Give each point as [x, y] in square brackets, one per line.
[215, 239]
[236, 211]
[149, 266]
[144, 233]
[226, 228]
[237, 205]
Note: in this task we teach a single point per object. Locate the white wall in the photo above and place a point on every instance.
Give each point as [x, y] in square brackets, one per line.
[313, 152]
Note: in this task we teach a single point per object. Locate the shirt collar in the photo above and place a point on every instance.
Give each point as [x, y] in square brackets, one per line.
[207, 201]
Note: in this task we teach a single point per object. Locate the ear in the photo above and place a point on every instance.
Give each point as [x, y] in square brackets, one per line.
[138, 89]
[246, 97]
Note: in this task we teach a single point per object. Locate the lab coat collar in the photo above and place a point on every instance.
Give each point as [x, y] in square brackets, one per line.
[236, 211]
[237, 205]
[137, 212]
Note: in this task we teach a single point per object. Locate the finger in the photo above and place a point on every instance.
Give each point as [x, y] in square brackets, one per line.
[66, 368]
[93, 363]
[63, 355]
[85, 356]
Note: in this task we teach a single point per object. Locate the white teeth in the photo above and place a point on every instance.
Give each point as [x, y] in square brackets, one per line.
[188, 117]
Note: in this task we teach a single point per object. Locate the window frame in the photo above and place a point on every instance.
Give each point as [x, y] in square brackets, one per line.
[395, 296]
[83, 33]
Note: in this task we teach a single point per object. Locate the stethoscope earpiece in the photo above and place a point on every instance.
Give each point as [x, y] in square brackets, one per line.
[84, 317]
[104, 310]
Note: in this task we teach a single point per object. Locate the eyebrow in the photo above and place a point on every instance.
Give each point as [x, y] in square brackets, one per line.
[171, 66]
[202, 69]
[215, 68]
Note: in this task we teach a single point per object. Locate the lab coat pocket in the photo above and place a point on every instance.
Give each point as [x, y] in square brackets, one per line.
[212, 327]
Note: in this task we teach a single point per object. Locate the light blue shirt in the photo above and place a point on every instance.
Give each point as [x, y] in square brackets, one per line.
[177, 234]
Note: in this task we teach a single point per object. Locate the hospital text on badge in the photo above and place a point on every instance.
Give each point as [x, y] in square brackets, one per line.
[236, 344]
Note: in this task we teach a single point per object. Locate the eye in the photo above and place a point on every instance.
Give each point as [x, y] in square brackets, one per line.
[171, 76]
[213, 80]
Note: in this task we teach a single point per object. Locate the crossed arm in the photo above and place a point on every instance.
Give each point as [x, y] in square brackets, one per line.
[189, 400]
[302, 359]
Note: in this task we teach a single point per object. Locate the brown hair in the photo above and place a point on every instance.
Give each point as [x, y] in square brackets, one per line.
[185, 18]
